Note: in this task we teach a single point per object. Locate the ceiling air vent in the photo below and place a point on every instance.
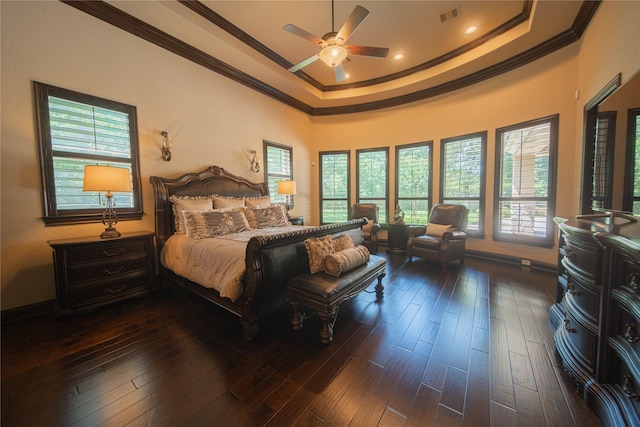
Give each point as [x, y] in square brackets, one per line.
[450, 14]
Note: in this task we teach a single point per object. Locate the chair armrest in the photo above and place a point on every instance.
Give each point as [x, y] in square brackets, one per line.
[454, 235]
[416, 230]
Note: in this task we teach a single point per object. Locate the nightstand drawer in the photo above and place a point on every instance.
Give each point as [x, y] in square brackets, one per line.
[106, 292]
[113, 270]
[106, 251]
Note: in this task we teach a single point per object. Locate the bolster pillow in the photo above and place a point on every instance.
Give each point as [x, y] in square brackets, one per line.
[345, 260]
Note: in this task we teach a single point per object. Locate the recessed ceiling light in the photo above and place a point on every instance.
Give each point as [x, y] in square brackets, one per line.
[398, 56]
[472, 29]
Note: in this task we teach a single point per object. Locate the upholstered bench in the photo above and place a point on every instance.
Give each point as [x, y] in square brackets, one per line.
[324, 293]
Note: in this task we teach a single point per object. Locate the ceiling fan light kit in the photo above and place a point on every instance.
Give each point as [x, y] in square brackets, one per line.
[333, 55]
[333, 49]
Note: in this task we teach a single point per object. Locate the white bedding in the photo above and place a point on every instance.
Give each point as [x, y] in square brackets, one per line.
[217, 263]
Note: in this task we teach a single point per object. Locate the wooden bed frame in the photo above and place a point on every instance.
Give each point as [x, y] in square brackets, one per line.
[270, 261]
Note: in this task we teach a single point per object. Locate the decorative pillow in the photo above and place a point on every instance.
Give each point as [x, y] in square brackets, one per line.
[340, 262]
[317, 249]
[221, 202]
[274, 216]
[219, 223]
[195, 223]
[188, 203]
[368, 226]
[437, 229]
[343, 242]
[257, 202]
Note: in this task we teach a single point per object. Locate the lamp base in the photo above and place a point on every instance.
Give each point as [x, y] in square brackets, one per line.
[110, 233]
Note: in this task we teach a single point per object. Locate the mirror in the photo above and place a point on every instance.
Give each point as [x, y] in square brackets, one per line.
[608, 158]
[616, 108]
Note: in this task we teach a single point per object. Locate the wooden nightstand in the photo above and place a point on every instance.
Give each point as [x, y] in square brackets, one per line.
[296, 220]
[91, 272]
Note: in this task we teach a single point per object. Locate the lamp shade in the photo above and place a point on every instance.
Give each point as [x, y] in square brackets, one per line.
[286, 187]
[106, 178]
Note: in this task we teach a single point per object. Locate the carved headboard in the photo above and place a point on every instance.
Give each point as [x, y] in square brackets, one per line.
[213, 180]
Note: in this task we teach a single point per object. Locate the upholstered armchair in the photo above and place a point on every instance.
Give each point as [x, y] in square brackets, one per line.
[444, 238]
[370, 230]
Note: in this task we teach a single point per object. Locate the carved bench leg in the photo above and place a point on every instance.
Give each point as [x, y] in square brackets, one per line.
[380, 287]
[326, 332]
[296, 319]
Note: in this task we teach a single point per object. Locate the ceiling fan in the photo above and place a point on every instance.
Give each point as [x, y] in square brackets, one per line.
[333, 48]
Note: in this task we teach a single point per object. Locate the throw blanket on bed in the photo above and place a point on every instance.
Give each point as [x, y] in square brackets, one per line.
[217, 263]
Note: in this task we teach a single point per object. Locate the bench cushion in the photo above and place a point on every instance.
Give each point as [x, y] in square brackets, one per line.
[324, 287]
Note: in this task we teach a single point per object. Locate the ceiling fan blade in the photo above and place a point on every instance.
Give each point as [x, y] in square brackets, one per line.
[353, 21]
[302, 64]
[378, 52]
[338, 71]
[302, 33]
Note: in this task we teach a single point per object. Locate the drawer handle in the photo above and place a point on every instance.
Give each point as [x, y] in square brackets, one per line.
[567, 327]
[117, 252]
[115, 291]
[111, 272]
[627, 333]
[633, 283]
[569, 254]
[572, 290]
[626, 387]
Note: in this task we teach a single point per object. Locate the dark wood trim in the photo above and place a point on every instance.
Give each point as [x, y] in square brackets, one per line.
[216, 19]
[135, 26]
[27, 311]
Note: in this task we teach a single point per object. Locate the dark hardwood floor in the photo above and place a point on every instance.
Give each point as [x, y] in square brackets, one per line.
[467, 346]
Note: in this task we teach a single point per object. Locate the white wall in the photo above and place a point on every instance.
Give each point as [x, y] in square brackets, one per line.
[213, 120]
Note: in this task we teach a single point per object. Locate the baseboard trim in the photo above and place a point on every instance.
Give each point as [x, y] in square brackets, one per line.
[27, 311]
[512, 260]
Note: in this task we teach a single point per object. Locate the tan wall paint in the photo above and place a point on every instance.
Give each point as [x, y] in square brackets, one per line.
[214, 120]
[541, 89]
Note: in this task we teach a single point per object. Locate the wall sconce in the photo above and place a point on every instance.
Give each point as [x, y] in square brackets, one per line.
[255, 161]
[166, 146]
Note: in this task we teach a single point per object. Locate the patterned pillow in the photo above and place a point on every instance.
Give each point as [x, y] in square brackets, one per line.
[437, 229]
[257, 202]
[317, 249]
[343, 242]
[188, 203]
[195, 223]
[274, 216]
[221, 223]
[340, 262]
[221, 202]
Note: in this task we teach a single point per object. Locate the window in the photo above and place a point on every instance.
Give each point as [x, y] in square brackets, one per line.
[334, 186]
[373, 177]
[413, 181]
[524, 203]
[462, 176]
[602, 185]
[278, 167]
[77, 130]
[632, 169]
